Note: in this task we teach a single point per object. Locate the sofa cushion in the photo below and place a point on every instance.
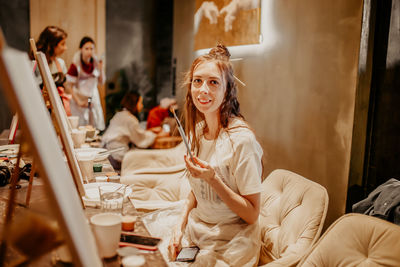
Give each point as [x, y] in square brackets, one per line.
[156, 188]
[357, 240]
[293, 210]
[137, 159]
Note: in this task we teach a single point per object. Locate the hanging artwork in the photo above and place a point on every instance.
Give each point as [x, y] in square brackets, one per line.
[231, 22]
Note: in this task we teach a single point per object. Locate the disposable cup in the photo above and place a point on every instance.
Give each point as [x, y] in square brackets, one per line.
[107, 231]
[73, 121]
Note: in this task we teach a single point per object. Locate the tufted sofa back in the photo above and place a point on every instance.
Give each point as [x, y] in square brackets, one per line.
[293, 211]
[357, 240]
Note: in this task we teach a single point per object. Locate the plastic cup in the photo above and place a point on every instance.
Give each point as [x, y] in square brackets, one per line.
[112, 199]
[79, 137]
[73, 121]
[107, 230]
[85, 161]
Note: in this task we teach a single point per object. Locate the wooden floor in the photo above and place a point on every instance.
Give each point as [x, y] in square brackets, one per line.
[38, 204]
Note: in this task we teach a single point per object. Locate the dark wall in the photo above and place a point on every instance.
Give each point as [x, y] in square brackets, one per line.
[383, 153]
[14, 22]
[139, 49]
[163, 42]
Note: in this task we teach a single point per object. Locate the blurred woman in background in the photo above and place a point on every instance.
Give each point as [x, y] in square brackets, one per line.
[84, 74]
[52, 42]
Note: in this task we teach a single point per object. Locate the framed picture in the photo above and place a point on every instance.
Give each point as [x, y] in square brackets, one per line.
[230, 22]
[61, 120]
[24, 96]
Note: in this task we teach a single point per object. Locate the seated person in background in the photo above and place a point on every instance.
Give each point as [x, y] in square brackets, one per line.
[124, 129]
[159, 113]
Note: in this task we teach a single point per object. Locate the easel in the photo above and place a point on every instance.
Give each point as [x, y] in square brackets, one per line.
[11, 199]
[23, 94]
[62, 130]
[14, 177]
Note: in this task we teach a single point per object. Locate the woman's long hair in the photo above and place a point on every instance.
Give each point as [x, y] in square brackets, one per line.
[230, 105]
[49, 39]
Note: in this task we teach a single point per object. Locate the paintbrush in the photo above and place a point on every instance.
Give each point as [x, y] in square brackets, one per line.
[182, 133]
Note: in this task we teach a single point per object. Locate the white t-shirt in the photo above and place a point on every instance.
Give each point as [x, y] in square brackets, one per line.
[124, 128]
[236, 158]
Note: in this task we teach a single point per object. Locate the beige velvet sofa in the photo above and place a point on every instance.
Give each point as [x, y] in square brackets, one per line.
[293, 211]
[356, 240]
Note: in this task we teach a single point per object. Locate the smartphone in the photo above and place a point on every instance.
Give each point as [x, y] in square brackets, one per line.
[139, 241]
[182, 133]
[187, 254]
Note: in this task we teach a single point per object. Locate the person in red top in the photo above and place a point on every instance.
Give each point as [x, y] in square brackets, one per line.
[159, 113]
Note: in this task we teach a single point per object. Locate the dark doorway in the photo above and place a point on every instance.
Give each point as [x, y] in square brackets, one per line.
[139, 51]
[383, 145]
[382, 139]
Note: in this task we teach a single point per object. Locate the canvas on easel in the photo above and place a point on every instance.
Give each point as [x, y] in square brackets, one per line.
[23, 94]
[61, 120]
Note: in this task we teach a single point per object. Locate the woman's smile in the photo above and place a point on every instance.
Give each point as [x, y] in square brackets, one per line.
[203, 100]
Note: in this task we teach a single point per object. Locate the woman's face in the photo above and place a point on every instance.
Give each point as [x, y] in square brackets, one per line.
[208, 88]
[60, 48]
[87, 51]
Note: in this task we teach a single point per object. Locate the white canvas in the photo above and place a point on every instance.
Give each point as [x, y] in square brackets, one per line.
[23, 93]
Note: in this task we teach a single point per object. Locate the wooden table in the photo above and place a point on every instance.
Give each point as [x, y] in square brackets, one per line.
[39, 204]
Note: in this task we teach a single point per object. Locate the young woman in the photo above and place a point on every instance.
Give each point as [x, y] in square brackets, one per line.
[124, 129]
[221, 212]
[83, 76]
[52, 42]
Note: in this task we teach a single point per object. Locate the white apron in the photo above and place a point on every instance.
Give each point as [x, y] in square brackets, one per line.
[87, 86]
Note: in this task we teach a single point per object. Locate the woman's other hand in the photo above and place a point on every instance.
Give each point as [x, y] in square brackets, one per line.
[175, 244]
[200, 169]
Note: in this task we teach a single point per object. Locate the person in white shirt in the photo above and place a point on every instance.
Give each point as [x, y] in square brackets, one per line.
[124, 129]
[221, 213]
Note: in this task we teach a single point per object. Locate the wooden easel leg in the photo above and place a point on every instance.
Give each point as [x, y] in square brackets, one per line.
[28, 192]
[10, 207]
